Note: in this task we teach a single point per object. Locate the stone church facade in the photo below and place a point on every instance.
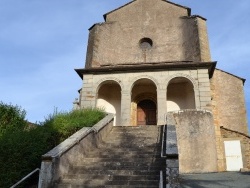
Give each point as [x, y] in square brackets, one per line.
[152, 57]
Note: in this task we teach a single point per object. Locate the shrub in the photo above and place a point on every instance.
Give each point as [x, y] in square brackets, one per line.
[21, 152]
[64, 124]
[21, 147]
[11, 117]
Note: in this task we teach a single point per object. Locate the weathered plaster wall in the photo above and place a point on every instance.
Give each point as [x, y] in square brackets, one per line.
[196, 141]
[175, 36]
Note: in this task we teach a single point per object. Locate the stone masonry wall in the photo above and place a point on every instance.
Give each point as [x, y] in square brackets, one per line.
[229, 109]
[199, 79]
[203, 40]
[229, 101]
[174, 34]
[245, 144]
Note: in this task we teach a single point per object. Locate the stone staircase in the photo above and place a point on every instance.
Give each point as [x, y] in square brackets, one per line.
[128, 157]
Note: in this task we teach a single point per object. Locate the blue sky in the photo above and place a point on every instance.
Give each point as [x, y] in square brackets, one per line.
[43, 41]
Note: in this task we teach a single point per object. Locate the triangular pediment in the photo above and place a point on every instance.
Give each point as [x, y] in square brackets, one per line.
[132, 3]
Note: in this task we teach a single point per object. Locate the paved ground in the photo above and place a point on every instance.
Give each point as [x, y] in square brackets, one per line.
[216, 180]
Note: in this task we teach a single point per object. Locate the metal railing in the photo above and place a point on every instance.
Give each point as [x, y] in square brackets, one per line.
[161, 180]
[26, 177]
[163, 154]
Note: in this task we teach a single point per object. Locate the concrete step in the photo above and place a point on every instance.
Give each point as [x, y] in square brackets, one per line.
[104, 186]
[117, 166]
[124, 159]
[125, 150]
[136, 128]
[110, 177]
[122, 163]
[123, 172]
[133, 146]
[97, 182]
[128, 157]
[118, 139]
[124, 154]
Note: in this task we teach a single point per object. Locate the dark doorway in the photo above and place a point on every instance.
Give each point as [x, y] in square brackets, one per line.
[146, 113]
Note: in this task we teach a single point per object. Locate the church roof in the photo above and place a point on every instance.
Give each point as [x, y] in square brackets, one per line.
[188, 9]
[130, 67]
[243, 79]
[243, 134]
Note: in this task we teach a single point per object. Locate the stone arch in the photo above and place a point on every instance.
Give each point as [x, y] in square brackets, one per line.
[181, 75]
[100, 82]
[144, 89]
[145, 96]
[108, 97]
[143, 77]
[188, 98]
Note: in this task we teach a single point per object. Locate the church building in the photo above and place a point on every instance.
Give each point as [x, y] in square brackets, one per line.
[150, 58]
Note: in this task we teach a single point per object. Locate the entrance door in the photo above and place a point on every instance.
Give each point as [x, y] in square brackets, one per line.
[146, 113]
[233, 155]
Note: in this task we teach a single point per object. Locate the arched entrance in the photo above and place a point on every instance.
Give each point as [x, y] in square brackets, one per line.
[109, 98]
[144, 102]
[180, 94]
[146, 112]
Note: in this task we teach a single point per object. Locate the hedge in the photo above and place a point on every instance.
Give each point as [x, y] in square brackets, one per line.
[22, 145]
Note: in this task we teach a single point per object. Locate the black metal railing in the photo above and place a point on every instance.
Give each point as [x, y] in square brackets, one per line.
[26, 177]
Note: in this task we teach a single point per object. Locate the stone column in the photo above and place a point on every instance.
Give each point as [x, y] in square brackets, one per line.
[161, 105]
[125, 108]
[204, 90]
[88, 96]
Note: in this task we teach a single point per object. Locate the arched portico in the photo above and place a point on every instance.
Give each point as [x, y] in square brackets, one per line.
[143, 102]
[180, 94]
[109, 98]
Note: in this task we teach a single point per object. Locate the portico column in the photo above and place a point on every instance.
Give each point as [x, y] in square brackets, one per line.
[125, 108]
[161, 105]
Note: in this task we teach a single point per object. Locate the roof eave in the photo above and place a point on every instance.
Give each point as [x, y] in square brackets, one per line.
[170, 66]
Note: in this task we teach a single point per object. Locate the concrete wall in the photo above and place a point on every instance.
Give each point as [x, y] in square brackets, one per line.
[196, 141]
[57, 162]
[175, 35]
[158, 89]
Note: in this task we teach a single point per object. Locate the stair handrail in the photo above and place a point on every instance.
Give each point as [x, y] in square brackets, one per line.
[163, 150]
[161, 180]
[26, 177]
[163, 136]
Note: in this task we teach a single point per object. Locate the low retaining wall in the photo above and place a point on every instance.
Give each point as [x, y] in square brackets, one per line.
[58, 161]
[196, 141]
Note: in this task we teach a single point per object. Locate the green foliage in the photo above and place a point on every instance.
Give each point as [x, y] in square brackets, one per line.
[11, 117]
[21, 147]
[64, 124]
[21, 153]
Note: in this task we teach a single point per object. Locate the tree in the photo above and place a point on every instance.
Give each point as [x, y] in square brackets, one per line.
[11, 117]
